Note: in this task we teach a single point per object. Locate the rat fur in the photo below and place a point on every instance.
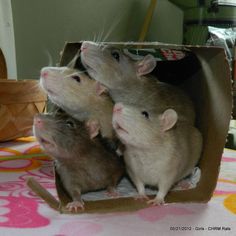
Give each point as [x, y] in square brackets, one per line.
[82, 163]
[130, 82]
[79, 96]
[159, 149]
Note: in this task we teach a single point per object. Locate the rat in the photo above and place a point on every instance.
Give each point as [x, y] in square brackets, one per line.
[78, 95]
[159, 151]
[129, 81]
[83, 163]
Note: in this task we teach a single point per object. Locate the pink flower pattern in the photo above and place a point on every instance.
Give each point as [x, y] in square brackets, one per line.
[20, 212]
[153, 214]
[20, 209]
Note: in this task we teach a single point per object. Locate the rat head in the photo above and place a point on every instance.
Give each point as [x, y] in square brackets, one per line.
[61, 136]
[141, 128]
[70, 89]
[111, 67]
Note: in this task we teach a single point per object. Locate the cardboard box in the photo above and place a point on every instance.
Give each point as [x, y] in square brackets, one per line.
[204, 74]
[3, 66]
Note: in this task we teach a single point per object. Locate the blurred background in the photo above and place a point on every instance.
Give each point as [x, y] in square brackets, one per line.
[32, 32]
[40, 28]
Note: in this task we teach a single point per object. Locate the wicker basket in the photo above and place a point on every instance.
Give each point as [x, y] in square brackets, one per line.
[19, 102]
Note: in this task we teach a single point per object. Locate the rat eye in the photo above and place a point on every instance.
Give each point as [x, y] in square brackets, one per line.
[116, 55]
[70, 124]
[76, 77]
[145, 114]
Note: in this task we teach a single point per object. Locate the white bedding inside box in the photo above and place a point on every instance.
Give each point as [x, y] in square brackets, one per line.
[126, 189]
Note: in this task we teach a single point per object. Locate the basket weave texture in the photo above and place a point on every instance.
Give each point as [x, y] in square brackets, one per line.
[19, 102]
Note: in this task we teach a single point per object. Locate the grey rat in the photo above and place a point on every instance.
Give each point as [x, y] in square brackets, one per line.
[82, 163]
[80, 96]
[159, 149]
[130, 82]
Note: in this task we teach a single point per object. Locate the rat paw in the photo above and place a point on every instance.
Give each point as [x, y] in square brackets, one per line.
[75, 206]
[156, 202]
[113, 194]
[141, 198]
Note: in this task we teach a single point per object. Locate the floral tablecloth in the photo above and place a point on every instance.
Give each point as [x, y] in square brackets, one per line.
[23, 213]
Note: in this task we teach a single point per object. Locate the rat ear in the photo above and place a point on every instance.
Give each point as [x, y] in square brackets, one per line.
[168, 119]
[146, 65]
[93, 128]
[100, 89]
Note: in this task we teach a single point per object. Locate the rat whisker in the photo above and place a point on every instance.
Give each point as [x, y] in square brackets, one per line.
[94, 37]
[112, 28]
[73, 74]
[63, 71]
[97, 37]
[49, 56]
[100, 45]
[101, 34]
[36, 86]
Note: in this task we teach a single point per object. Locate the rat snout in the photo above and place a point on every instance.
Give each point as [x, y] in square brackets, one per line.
[84, 46]
[118, 108]
[88, 45]
[38, 122]
[44, 73]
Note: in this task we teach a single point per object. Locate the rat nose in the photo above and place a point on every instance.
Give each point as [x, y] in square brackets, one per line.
[38, 122]
[118, 108]
[84, 46]
[44, 74]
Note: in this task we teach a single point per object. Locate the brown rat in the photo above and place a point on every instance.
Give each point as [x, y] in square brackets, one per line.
[82, 163]
[129, 81]
[160, 150]
[79, 96]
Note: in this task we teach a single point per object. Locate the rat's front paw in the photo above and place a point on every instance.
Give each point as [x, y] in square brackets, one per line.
[75, 206]
[113, 194]
[156, 201]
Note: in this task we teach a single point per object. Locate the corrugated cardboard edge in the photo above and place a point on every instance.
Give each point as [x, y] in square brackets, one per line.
[3, 66]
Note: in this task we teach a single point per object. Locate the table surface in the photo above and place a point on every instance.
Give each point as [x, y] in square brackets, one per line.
[23, 213]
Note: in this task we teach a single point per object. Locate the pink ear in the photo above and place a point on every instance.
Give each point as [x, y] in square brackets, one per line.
[168, 119]
[93, 128]
[146, 65]
[100, 89]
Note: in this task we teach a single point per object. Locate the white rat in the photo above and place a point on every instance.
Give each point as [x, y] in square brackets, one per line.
[129, 81]
[79, 96]
[159, 149]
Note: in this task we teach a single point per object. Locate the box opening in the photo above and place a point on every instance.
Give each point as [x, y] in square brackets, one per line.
[204, 74]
